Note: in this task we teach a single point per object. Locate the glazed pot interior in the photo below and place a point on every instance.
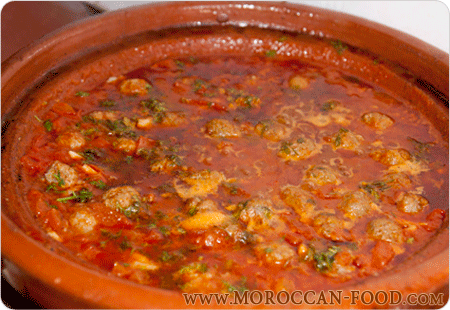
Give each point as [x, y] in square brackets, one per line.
[122, 41]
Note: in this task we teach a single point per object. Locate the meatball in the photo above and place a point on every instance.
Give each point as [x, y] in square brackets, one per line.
[199, 183]
[196, 204]
[257, 214]
[134, 87]
[322, 175]
[330, 227]
[61, 174]
[385, 229]
[222, 128]
[73, 140]
[355, 204]
[171, 119]
[198, 277]
[346, 139]
[298, 82]
[397, 180]
[342, 266]
[411, 203]
[276, 253]
[120, 198]
[300, 200]
[238, 234]
[104, 115]
[298, 149]
[125, 145]
[166, 165]
[377, 120]
[272, 130]
[391, 157]
[83, 221]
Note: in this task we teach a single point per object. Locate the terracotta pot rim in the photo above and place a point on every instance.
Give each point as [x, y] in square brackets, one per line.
[11, 233]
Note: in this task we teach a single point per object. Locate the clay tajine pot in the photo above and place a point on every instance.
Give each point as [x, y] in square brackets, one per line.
[91, 50]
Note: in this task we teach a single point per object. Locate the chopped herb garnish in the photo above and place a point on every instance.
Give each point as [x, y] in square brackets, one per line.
[410, 240]
[165, 256]
[165, 230]
[89, 131]
[120, 128]
[324, 260]
[166, 188]
[338, 139]
[154, 105]
[286, 148]
[329, 105]
[193, 211]
[99, 184]
[132, 211]
[125, 244]
[199, 85]
[339, 46]
[370, 189]
[48, 125]
[107, 103]
[233, 288]
[179, 63]
[232, 189]
[420, 147]
[59, 179]
[82, 195]
[248, 101]
[91, 154]
[52, 206]
[129, 159]
[181, 230]
[82, 94]
[282, 38]
[160, 215]
[201, 267]
[271, 53]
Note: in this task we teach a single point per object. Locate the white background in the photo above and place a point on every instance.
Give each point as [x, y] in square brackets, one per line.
[427, 20]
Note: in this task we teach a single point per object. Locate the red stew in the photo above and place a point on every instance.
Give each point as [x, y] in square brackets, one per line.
[226, 173]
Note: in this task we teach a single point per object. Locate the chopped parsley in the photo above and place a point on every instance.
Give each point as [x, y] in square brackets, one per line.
[83, 195]
[60, 181]
[82, 94]
[201, 267]
[48, 125]
[324, 261]
[338, 139]
[99, 184]
[107, 103]
[165, 256]
[329, 105]
[131, 211]
[271, 53]
[91, 154]
[193, 211]
[339, 46]
[154, 105]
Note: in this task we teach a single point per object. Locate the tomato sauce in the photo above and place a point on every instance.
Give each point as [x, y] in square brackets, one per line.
[216, 174]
